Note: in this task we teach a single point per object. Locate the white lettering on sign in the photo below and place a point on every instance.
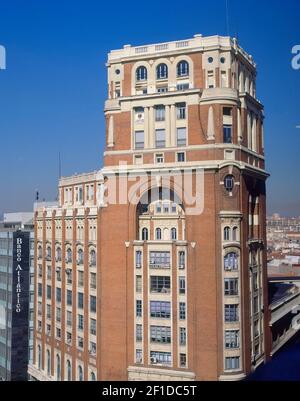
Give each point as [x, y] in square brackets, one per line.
[19, 243]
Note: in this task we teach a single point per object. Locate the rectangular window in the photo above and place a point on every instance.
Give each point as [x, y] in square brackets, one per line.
[183, 87]
[227, 133]
[48, 311]
[160, 138]
[40, 290]
[80, 278]
[80, 322]
[161, 358]
[255, 305]
[160, 114]
[139, 332]
[93, 348]
[160, 309]
[58, 333]
[181, 285]
[181, 111]
[58, 315]
[69, 318]
[231, 313]
[93, 282]
[93, 303]
[182, 360]
[182, 311]
[181, 261]
[160, 334]
[160, 260]
[224, 81]
[159, 158]
[40, 271]
[162, 89]
[138, 259]
[210, 79]
[180, 157]
[231, 286]
[232, 339]
[182, 336]
[232, 363]
[139, 139]
[93, 329]
[69, 337]
[80, 342]
[181, 136]
[69, 297]
[80, 300]
[139, 311]
[138, 284]
[49, 272]
[160, 284]
[138, 356]
[58, 294]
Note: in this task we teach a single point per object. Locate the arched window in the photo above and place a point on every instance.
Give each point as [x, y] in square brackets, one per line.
[231, 261]
[158, 234]
[235, 234]
[93, 377]
[40, 252]
[162, 71]
[173, 233]
[145, 234]
[80, 257]
[69, 255]
[69, 371]
[58, 371]
[229, 183]
[58, 254]
[226, 233]
[48, 363]
[80, 373]
[92, 258]
[39, 357]
[48, 252]
[182, 69]
[141, 73]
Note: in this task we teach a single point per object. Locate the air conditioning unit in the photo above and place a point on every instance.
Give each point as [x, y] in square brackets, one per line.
[153, 360]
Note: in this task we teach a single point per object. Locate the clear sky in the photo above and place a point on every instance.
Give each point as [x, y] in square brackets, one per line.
[53, 90]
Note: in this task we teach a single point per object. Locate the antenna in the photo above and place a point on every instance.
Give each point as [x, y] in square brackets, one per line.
[227, 17]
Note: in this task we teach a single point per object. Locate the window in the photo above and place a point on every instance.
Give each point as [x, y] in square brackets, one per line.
[182, 311]
[80, 342]
[69, 297]
[80, 322]
[69, 337]
[181, 136]
[145, 234]
[58, 254]
[58, 315]
[138, 159]
[181, 285]
[93, 281]
[160, 309]
[160, 114]
[80, 300]
[182, 336]
[49, 270]
[210, 79]
[48, 256]
[160, 259]
[93, 326]
[138, 284]
[80, 257]
[231, 286]
[183, 86]
[40, 290]
[229, 183]
[232, 363]
[69, 256]
[58, 333]
[162, 71]
[181, 111]
[40, 271]
[93, 303]
[138, 308]
[160, 138]
[182, 69]
[93, 377]
[232, 339]
[158, 234]
[69, 371]
[235, 234]
[48, 363]
[139, 139]
[80, 279]
[162, 358]
[160, 284]
[58, 294]
[231, 313]
[180, 157]
[58, 370]
[231, 261]
[162, 89]
[141, 73]
[159, 158]
[182, 360]
[40, 252]
[227, 111]
[139, 332]
[92, 258]
[227, 133]
[138, 259]
[138, 356]
[80, 374]
[224, 81]
[93, 347]
[69, 318]
[255, 304]
[160, 334]
[173, 233]
[48, 312]
[48, 329]
[226, 233]
[181, 262]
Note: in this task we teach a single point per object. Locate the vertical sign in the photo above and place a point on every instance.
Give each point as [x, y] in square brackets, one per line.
[20, 305]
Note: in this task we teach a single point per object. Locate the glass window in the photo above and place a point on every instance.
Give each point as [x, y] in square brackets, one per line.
[182, 360]
[93, 281]
[160, 284]
[183, 86]
[80, 322]
[229, 183]
[58, 294]
[159, 309]
[231, 261]
[232, 363]
[138, 356]
[182, 69]
[160, 259]
[160, 138]
[159, 158]
[69, 371]
[180, 157]
[226, 233]
[181, 285]
[161, 358]
[93, 303]
[93, 327]
[139, 332]
[231, 286]
[181, 111]
[162, 71]
[138, 284]
[160, 334]
[181, 259]
[232, 339]
[145, 234]
[173, 233]
[141, 73]
[69, 318]
[182, 336]
[231, 313]
[80, 300]
[80, 278]
[139, 311]
[182, 311]
[227, 133]
[235, 234]
[158, 234]
[139, 139]
[80, 374]
[138, 259]
[160, 114]
[181, 136]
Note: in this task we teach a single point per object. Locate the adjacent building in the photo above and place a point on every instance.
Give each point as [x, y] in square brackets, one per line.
[16, 295]
[133, 280]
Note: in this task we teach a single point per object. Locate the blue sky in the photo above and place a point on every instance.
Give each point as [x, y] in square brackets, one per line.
[53, 90]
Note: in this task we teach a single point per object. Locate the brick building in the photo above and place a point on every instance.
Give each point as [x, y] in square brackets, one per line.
[133, 281]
